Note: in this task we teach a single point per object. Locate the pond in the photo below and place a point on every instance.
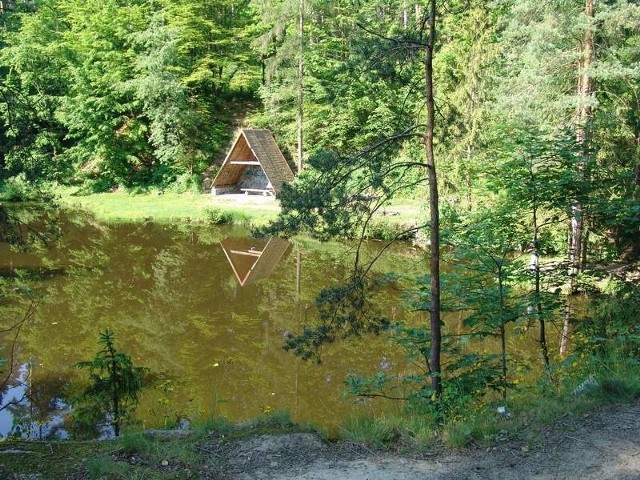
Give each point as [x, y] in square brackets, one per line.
[206, 309]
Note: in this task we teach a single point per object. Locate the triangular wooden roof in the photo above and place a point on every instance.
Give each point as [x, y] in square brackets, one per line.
[254, 147]
[254, 258]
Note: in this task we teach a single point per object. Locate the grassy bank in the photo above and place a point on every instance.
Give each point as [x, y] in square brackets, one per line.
[159, 455]
[152, 455]
[249, 211]
[170, 207]
[521, 418]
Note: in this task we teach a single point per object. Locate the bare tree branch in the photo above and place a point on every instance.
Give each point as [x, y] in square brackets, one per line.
[17, 327]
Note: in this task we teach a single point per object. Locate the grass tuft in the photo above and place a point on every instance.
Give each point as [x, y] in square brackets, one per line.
[105, 467]
[275, 420]
[414, 432]
[379, 432]
[617, 389]
[135, 443]
[418, 433]
[215, 425]
[387, 230]
[218, 216]
[457, 434]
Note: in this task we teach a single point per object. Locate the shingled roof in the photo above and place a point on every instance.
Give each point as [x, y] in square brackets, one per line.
[254, 147]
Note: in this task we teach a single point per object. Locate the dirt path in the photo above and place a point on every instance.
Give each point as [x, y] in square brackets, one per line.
[599, 446]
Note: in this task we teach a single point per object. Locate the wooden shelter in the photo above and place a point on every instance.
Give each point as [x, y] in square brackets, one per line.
[254, 164]
[254, 258]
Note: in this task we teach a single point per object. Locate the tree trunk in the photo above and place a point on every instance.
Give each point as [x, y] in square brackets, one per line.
[566, 328]
[434, 233]
[503, 335]
[635, 240]
[637, 176]
[298, 274]
[405, 15]
[538, 291]
[300, 80]
[582, 119]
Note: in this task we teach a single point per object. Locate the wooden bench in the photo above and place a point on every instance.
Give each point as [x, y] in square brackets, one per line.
[264, 192]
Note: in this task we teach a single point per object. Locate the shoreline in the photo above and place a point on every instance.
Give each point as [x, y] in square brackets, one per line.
[608, 449]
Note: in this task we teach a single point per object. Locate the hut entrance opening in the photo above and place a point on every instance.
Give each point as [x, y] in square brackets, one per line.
[254, 180]
[254, 164]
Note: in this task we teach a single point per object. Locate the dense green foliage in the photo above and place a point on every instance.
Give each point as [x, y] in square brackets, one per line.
[521, 155]
[136, 94]
[506, 94]
[120, 93]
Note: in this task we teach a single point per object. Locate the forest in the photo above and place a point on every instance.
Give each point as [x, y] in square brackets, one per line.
[142, 94]
[528, 111]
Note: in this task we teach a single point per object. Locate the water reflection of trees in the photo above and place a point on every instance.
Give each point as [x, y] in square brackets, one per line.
[173, 301]
[25, 233]
[42, 416]
[28, 228]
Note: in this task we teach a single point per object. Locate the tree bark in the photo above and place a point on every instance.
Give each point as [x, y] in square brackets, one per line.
[434, 229]
[582, 119]
[300, 80]
[298, 274]
[583, 116]
[405, 15]
[637, 167]
[503, 334]
[538, 290]
[635, 245]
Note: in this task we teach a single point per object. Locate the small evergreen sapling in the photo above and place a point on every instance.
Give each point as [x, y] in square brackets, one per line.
[112, 395]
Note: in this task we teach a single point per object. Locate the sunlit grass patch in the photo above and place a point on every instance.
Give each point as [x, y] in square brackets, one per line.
[415, 432]
[167, 207]
[374, 431]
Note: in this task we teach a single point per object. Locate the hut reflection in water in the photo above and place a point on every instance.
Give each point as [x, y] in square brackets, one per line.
[254, 258]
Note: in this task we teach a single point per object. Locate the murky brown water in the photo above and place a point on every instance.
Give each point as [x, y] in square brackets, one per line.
[204, 308]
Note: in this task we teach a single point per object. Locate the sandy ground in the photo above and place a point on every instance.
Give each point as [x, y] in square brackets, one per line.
[242, 199]
[605, 445]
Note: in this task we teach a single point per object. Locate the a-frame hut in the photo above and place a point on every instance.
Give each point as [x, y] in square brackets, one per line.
[254, 164]
[254, 258]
